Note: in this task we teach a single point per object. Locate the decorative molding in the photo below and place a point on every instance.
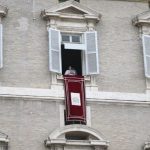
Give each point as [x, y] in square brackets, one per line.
[3, 11]
[147, 146]
[142, 1]
[70, 14]
[142, 19]
[61, 115]
[58, 94]
[93, 137]
[88, 115]
[71, 17]
[4, 138]
[58, 11]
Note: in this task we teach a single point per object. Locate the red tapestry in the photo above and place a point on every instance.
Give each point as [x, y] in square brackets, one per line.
[75, 98]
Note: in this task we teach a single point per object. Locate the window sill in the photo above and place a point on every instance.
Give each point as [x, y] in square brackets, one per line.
[60, 77]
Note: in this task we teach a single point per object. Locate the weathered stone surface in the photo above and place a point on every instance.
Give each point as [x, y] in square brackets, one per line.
[29, 121]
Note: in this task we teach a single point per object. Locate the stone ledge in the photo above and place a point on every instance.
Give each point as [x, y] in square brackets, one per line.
[3, 11]
[4, 138]
[91, 96]
[144, 1]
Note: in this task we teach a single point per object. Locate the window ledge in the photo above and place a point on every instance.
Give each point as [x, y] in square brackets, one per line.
[57, 82]
[60, 77]
[4, 140]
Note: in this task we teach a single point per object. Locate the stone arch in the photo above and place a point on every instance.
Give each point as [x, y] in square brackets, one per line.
[76, 135]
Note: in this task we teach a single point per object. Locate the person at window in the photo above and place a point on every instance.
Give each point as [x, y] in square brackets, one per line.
[70, 71]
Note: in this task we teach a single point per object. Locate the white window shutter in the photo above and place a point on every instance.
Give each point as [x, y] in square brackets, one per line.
[54, 51]
[91, 53]
[146, 51]
[1, 46]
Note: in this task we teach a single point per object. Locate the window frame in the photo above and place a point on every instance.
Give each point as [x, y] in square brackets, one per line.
[1, 46]
[146, 55]
[86, 64]
[70, 35]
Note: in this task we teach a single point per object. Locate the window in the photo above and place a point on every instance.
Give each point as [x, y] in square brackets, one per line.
[83, 56]
[77, 135]
[71, 38]
[65, 38]
[72, 58]
[1, 46]
[3, 146]
[66, 0]
[3, 13]
[146, 52]
[3, 141]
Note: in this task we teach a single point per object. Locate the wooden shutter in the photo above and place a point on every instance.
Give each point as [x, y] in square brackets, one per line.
[91, 53]
[146, 52]
[1, 46]
[54, 51]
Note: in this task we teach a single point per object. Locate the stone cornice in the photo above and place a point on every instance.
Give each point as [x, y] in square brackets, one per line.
[4, 138]
[85, 13]
[142, 1]
[142, 19]
[58, 95]
[147, 146]
[72, 4]
[48, 15]
[94, 138]
[3, 11]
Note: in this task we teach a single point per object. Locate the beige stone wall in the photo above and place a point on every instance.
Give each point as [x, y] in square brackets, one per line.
[121, 58]
[124, 125]
[28, 122]
[26, 45]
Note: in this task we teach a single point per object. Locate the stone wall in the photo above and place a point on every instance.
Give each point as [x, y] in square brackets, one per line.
[126, 126]
[29, 121]
[26, 45]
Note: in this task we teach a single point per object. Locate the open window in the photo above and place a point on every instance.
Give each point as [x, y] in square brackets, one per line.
[71, 58]
[77, 50]
[72, 41]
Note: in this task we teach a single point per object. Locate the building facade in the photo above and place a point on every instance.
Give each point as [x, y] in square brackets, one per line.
[106, 41]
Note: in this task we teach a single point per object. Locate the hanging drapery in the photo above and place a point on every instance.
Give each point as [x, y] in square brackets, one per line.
[75, 98]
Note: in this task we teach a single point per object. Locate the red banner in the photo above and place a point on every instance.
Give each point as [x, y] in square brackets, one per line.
[75, 98]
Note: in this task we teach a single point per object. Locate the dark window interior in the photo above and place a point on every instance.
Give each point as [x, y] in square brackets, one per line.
[67, 0]
[76, 135]
[71, 58]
